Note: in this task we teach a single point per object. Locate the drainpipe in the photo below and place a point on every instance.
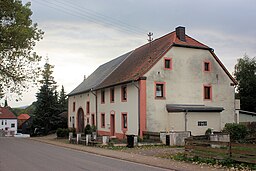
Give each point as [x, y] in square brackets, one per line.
[186, 119]
[96, 108]
[138, 106]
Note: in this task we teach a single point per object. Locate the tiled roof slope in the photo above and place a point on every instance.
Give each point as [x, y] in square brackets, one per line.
[23, 117]
[99, 75]
[5, 113]
[133, 65]
[144, 57]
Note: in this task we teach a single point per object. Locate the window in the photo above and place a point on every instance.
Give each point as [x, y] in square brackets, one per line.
[70, 119]
[207, 92]
[102, 96]
[124, 120]
[207, 66]
[12, 125]
[168, 63]
[93, 119]
[87, 107]
[202, 123]
[5, 122]
[2, 122]
[103, 120]
[160, 90]
[73, 123]
[112, 95]
[124, 93]
[74, 106]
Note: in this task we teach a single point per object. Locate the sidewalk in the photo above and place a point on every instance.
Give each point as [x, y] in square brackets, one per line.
[148, 160]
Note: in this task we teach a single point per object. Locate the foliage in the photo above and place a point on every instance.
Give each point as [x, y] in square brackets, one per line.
[62, 132]
[87, 129]
[28, 110]
[19, 64]
[47, 113]
[245, 74]
[208, 131]
[63, 100]
[236, 131]
[252, 129]
[73, 130]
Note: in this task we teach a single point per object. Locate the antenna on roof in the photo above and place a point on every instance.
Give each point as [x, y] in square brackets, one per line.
[150, 38]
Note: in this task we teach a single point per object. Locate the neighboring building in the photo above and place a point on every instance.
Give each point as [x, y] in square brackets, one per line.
[8, 121]
[172, 83]
[243, 116]
[24, 123]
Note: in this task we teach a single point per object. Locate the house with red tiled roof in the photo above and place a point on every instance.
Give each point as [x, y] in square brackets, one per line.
[24, 121]
[174, 83]
[8, 121]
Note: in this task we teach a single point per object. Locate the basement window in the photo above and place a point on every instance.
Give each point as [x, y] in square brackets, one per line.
[202, 123]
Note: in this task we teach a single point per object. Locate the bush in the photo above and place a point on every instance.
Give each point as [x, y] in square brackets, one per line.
[87, 129]
[73, 130]
[208, 131]
[236, 131]
[62, 132]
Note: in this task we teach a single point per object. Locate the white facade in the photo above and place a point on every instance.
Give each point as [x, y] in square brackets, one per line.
[9, 125]
[184, 85]
[171, 70]
[108, 108]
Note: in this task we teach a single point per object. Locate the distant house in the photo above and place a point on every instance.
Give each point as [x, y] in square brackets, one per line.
[8, 121]
[174, 83]
[24, 122]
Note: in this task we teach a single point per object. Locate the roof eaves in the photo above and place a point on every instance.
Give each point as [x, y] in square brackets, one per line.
[224, 68]
[190, 46]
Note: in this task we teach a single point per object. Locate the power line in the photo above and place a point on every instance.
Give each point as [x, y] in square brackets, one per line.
[91, 16]
[104, 17]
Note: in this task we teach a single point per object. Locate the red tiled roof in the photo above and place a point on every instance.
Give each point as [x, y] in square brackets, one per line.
[144, 57]
[23, 117]
[5, 113]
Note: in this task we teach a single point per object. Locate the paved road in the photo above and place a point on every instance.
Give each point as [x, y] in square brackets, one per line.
[27, 155]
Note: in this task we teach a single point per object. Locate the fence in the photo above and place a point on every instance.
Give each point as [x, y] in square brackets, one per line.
[221, 150]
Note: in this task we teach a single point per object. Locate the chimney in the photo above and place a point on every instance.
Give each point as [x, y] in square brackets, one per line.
[180, 33]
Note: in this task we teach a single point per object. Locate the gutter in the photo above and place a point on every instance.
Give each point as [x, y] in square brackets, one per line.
[96, 107]
[138, 106]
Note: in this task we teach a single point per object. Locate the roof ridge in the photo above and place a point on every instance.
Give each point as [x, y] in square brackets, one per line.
[155, 40]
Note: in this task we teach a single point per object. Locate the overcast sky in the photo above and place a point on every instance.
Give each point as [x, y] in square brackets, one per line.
[80, 35]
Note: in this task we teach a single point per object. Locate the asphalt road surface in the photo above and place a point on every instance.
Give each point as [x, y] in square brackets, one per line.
[18, 154]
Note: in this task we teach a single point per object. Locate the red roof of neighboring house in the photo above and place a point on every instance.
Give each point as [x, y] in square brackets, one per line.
[23, 117]
[5, 113]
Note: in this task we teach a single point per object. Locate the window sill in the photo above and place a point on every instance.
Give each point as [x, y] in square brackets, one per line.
[160, 98]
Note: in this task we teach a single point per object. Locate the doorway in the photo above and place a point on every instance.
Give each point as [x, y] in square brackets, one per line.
[112, 125]
[80, 120]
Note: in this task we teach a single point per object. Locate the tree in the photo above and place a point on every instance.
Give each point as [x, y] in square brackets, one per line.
[63, 101]
[245, 74]
[19, 64]
[46, 107]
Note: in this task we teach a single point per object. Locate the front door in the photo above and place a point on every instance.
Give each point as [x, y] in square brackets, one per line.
[80, 120]
[112, 125]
